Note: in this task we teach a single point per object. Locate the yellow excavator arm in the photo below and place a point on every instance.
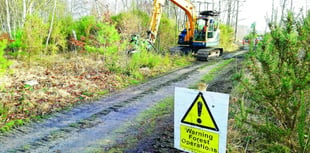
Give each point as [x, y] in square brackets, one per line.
[185, 5]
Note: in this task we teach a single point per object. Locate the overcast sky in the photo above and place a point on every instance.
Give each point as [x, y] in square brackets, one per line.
[256, 10]
[250, 10]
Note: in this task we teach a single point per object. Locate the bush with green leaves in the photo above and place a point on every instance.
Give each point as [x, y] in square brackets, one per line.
[275, 90]
[105, 40]
[4, 63]
[227, 37]
[166, 33]
[17, 43]
[34, 35]
[107, 34]
[61, 30]
[132, 22]
[84, 26]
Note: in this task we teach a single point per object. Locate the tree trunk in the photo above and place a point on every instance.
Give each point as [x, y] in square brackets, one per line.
[98, 9]
[116, 7]
[30, 8]
[24, 12]
[306, 6]
[228, 12]
[292, 2]
[8, 19]
[51, 26]
[125, 4]
[272, 12]
[282, 13]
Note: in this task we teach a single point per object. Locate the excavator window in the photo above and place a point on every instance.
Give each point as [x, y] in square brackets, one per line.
[211, 29]
[200, 30]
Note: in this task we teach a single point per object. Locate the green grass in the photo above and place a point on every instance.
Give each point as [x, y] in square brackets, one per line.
[213, 73]
[14, 123]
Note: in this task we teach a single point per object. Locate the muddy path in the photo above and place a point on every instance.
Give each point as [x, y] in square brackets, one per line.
[95, 124]
[161, 140]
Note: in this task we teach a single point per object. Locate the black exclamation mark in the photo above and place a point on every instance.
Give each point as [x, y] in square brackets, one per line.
[199, 112]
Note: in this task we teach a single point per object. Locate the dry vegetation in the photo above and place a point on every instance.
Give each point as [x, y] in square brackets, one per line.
[56, 82]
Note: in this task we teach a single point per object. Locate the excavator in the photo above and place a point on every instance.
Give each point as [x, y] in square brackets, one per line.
[201, 34]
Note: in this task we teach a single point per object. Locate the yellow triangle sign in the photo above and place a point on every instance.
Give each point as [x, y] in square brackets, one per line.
[199, 114]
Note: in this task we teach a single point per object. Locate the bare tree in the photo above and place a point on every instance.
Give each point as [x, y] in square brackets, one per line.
[292, 2]
[97, 5]
[282, 9]
[306, 6]
[8, 17]
[78, 8]
[272, 12]
[51, 25]
[24, 12]
[125, 4]
[229, 12]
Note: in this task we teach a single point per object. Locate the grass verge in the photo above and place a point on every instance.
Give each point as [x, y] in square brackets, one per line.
[213, 73]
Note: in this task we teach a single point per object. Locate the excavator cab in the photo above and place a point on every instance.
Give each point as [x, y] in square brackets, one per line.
[206, 30]
[207, 36]
[205, 39]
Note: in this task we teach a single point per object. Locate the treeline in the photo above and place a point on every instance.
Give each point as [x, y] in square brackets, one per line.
[46, 27]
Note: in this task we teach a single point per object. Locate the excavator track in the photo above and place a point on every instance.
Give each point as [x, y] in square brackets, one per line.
[206, 53]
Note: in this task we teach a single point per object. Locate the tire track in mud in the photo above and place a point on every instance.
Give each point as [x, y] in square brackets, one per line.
[91, 125]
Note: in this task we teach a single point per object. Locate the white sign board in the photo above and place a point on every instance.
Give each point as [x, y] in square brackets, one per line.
[200, 121]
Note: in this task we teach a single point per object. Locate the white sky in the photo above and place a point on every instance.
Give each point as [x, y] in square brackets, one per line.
[256, 10]
[250, 10]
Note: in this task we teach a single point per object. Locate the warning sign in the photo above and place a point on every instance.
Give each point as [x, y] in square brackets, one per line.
[197, 140]
[200, 121]
[199, 114]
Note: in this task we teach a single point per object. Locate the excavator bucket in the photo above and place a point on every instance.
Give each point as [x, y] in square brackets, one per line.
[137, 43]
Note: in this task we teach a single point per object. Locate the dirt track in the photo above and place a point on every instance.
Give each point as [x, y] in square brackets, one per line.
[97, 124]
[162, 140]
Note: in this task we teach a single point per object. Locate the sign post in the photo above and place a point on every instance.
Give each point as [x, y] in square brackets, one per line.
[200, 121]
